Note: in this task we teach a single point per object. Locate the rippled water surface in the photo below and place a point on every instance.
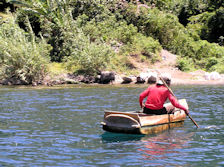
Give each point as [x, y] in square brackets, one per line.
[61, 127]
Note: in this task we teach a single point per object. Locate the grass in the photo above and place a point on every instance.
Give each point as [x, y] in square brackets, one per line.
[57, 69]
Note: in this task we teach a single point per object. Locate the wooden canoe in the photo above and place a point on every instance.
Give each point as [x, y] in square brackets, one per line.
[140, 123]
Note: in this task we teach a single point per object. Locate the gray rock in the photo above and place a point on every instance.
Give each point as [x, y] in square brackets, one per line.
[107, 77]
[127, 80]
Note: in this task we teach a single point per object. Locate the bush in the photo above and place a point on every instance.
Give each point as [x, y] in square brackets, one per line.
[22, 56]
[87, 57]
[185, 64]
[211, 62]
[142, 45]
[218, 67]
[110, 29]
[208, 25]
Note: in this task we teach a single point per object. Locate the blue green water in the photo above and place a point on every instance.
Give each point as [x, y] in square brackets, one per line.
[61, 127]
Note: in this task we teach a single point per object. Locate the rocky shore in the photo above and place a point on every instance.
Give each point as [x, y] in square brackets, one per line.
[147, 75]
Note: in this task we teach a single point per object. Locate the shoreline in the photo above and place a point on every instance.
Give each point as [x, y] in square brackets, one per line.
[174, 82]
[177, 78]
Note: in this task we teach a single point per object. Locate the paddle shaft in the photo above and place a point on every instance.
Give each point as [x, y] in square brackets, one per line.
[175, 97]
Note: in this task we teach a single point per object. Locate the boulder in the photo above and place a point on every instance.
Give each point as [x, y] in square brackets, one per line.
[149, 77]
[142, 78]
[14, 81]
[127, 80]
[88, 79]
[118, 79]
[107, 77]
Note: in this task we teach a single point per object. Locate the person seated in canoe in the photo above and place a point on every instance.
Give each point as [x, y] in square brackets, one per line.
[157, 96]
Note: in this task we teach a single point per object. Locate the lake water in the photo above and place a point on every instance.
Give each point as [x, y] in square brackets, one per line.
[60, 126]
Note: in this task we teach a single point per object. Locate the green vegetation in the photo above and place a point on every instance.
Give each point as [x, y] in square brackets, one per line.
[22, 56]
[87, 36]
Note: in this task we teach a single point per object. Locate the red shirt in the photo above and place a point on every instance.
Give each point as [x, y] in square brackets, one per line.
[157, 95]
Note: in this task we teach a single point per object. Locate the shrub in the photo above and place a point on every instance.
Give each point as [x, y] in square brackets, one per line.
[142, 45]
[185, 64]
[208, 25]
[22, 56]
[211, 62]
[110, 29]
[218, 67]
[88, 57]
[198, 24]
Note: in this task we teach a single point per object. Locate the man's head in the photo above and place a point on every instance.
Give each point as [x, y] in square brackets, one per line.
[166, 77]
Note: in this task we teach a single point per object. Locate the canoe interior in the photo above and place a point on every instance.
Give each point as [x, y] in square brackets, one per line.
[140, 123]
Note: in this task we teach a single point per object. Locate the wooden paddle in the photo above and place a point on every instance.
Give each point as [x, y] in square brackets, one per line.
[175, 97]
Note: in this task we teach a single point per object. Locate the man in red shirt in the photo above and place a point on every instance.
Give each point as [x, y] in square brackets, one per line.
[157, 95]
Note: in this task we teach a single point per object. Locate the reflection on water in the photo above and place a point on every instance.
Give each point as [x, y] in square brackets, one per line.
[164, 144]
[154, 150]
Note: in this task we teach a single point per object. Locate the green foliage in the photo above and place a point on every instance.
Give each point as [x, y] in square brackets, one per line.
[56, 69]
[215, 4]
[169, 6]
[142, 45]
[185, 64]
[83, 33]
[54, 19]
[176, 38]
[216, 26]
[89, 57]
[219, 67]
[120, 33]
[211, 62]
[22, 57]
[110, 29]
[94, 9]
[198, 27]
[208, 25]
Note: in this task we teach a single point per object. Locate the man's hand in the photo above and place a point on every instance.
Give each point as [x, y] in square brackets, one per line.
[187, 112]
[143, 105]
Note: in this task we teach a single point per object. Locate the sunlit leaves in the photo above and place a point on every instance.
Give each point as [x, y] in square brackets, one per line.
[21, 56]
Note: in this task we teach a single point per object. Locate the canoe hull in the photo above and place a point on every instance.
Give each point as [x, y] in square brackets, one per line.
[143, 130]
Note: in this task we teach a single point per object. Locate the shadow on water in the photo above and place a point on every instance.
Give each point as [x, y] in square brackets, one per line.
[170, 134]
[148, 131]
[120, 137]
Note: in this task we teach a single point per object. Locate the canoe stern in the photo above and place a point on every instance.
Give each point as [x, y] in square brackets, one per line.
[120, 123]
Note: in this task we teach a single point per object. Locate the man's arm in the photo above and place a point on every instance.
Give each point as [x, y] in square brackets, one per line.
[176, 104]
[142, 96]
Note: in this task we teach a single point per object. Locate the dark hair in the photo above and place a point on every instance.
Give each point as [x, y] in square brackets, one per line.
[167, 80]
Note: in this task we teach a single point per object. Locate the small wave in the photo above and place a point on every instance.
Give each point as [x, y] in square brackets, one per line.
[212, 127]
